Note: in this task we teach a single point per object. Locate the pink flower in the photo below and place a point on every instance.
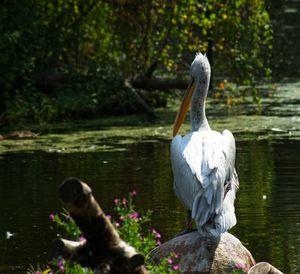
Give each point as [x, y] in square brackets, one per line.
[158, 242]
[60, 265]
[133, 215]
[239, 265]
[116, 201]
[51, 216]
[37, 272]
[133, 193]
[156, 233]
[124, 201]
[117, 224]
[175, 267]
[82, 238]
[170, 261]
[108, 216]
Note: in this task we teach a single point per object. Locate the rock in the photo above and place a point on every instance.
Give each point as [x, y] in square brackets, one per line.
[265, 268]
[206, 254]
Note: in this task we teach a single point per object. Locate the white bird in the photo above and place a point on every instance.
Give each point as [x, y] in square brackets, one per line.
[203, 161]
[9, 235]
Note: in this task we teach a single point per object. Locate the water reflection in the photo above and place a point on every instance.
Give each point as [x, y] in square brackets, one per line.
[268, 205]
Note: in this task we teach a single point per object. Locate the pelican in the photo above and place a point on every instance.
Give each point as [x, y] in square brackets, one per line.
[203, 161]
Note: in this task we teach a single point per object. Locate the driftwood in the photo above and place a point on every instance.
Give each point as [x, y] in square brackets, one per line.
[103, 250]
[20, 134]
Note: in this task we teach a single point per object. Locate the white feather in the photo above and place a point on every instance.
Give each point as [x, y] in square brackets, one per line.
[201, 163]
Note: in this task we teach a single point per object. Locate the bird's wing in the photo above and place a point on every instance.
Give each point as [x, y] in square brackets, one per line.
[227, 219]
[229, 148]
[200, 167]
[197, 168]
[185, 183]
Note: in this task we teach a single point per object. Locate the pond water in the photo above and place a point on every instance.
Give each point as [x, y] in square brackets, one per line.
[268, 203]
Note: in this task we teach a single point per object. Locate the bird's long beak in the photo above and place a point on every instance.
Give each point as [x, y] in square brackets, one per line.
[184, 107]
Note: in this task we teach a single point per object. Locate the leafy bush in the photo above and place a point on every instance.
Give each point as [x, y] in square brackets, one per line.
[98, 92]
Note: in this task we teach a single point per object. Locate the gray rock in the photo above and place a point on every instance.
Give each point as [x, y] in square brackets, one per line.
[206, 254]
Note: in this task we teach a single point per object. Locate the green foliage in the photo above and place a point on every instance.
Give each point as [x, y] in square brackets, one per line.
[68, 225]
[90, 95]
[130, 225]
[65, 59]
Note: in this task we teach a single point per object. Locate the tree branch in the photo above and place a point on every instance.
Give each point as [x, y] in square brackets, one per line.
[163, 84]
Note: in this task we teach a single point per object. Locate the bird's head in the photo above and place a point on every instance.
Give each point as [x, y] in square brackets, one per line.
[200, 68]
[200, 74]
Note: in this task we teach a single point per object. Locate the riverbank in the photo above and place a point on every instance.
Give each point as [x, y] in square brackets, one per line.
[279, 120]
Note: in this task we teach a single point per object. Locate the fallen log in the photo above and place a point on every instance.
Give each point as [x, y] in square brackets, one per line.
[103, 250]
[20, 134]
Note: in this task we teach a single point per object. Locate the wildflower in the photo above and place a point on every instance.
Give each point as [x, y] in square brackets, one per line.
[156, 233]
[108, 216]
[239, 265]
[175, 267]
[116, 201]
[170, 261]
[51, 216]
[82, 238]
[158, 242]
[117, 224]
[133, 193]
[60, 265]
[124, 201]
[133, 215]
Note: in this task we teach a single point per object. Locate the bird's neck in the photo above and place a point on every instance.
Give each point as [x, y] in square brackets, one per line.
[198, 117]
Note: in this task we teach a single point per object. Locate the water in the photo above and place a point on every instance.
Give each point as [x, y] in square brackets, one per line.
[268, 204]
